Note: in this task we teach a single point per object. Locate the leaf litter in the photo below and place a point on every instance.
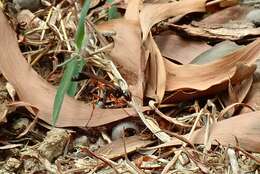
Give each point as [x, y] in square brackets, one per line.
[155, 75]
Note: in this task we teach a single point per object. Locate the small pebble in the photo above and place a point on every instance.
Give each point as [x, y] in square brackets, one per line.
[11, 165]
[54, 143]
[32, 5]
[254, 17]
[27, 17]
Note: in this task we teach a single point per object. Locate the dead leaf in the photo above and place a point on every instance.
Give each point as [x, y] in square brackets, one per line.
[142, 159]
[245, 128]
[238, 94]
[228, 108]
[221, 33]
[253, 97]
[156, 73]
[217, 5]
[154, 13]
[127, 47]
[11, 91]
[193, 80]
[232, 96]
[116, 148]
[156, 1]
[180, 49]
[228, 3]
[228, 24]
[224, 16]
[31, 88]
[235, 93]
[33, 109]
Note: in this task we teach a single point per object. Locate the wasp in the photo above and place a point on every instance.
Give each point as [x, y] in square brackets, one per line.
[112, 93]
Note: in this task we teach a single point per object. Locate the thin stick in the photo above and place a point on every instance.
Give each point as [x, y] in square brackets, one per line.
[175, 158]
[45, 24]
[127, 160]
[106, 161]
[150, 124]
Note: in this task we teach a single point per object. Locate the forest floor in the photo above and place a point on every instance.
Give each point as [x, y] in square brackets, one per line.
[129, 86]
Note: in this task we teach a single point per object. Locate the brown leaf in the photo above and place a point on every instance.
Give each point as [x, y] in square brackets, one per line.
[132, 10]
[31, 88]
[224, 16]
[194, 80]
[221, 33]
[180, 49]
[217, 5]
[127, 47]
[228, 3]
[253, 97]
[235, 93]
[228, 24]
[245, 128]
[242, 89]
[33, 109]
[156, 73]
[116, 148]
[154, 13]
[238, 92]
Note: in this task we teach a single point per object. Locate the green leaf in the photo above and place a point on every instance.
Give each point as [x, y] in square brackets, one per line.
[72, 89]
[63, 88]
[112, 12]
[73, 66]
[80, 33]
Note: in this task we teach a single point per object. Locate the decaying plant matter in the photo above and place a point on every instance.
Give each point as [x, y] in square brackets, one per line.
[162, 87]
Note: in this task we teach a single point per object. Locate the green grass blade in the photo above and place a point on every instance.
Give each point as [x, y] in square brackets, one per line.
[80, 38]
[63, 88]
[80, 33]
[72, 89]
[112, 12]
[73, 66]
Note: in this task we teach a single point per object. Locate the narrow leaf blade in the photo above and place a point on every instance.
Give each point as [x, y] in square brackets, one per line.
[112, 12]
[72, 89]
[80, 33]
[64, 85]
